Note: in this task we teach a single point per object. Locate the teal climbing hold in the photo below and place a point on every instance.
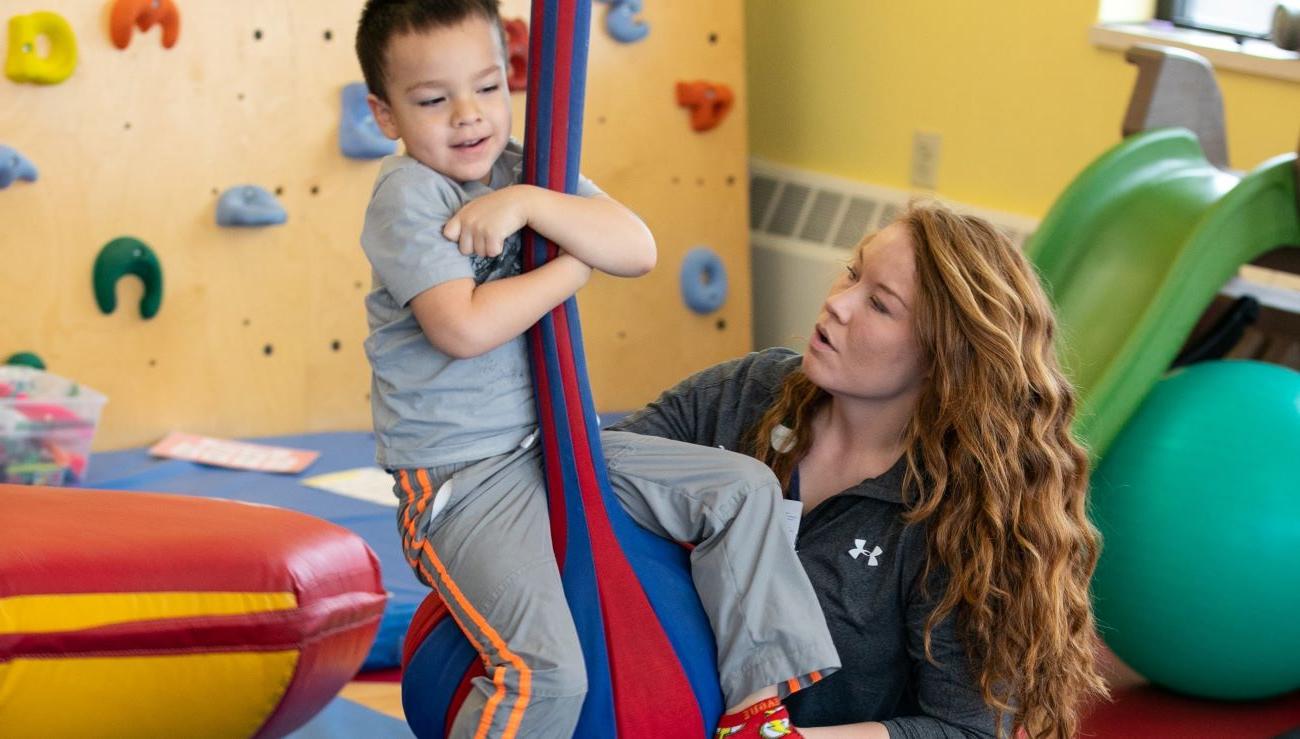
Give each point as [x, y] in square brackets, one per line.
[26, 359]
[128, 256]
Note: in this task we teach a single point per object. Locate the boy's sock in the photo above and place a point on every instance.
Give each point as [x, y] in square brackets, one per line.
[766, 719]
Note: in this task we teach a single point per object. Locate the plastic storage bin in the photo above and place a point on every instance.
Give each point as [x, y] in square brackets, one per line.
[46, 425]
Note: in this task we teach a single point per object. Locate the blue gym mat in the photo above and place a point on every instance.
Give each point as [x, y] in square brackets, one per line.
[134, 469]
[343, 719]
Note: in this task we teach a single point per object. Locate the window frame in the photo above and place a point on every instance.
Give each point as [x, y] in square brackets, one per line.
[1175, 12]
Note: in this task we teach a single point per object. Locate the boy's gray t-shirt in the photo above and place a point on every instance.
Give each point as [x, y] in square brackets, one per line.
[430, 408]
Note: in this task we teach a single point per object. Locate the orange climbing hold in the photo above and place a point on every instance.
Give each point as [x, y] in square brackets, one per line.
[517, 50]
[709, 102]
[144, 14]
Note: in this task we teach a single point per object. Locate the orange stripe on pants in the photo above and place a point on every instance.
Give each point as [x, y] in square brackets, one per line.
[500, 672]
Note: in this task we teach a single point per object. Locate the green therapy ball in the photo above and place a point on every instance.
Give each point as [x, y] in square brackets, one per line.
[1198, 502]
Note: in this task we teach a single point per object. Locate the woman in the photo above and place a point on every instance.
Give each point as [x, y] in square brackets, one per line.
[926, 433]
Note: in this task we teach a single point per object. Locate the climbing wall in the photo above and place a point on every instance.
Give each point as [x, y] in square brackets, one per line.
[260, 330]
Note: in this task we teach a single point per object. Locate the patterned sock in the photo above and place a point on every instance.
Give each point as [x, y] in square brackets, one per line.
[766, 719]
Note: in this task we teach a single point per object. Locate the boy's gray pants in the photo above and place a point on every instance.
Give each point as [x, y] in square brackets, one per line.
[484, 542]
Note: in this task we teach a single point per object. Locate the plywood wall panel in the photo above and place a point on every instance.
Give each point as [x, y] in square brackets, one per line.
[140, 142]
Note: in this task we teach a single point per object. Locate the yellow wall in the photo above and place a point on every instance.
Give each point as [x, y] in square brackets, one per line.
[1020, 97]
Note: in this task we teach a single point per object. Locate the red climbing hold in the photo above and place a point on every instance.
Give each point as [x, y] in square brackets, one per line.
[709, 102]
[517, 52]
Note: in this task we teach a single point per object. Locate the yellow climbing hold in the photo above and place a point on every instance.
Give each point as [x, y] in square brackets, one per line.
[25, 63]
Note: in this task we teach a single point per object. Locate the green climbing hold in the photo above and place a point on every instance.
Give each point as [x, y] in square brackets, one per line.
[128, 256]
[26, 359]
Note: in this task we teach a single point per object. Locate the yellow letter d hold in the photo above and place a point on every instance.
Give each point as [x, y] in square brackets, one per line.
[25, 63]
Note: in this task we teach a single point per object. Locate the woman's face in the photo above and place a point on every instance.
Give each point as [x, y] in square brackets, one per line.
[864, 344]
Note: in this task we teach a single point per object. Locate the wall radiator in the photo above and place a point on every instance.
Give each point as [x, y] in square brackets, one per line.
[803, 227]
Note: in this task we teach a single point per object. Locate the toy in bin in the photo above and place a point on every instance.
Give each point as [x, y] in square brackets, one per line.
[46, 425]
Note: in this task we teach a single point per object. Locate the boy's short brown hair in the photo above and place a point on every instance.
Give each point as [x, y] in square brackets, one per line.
[381, 20]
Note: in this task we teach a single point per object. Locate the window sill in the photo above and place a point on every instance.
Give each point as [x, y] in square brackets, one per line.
[1255, 57]
[1275, 289]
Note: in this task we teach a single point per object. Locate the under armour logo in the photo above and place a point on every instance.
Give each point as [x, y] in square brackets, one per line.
[860, 549]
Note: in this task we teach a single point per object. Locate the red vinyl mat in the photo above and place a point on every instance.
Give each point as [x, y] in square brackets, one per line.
[1152, 713]
[1138, 709]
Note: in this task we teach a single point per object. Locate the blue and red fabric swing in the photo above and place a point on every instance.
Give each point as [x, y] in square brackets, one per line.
[647, 644]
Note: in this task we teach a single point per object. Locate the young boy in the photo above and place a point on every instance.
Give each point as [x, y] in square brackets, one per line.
[453, 401]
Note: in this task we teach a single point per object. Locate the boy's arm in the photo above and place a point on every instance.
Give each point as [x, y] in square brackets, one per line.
[598, 230]
[464, 320]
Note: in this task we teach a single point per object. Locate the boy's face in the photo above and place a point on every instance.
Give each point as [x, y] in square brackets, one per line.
[447, 98]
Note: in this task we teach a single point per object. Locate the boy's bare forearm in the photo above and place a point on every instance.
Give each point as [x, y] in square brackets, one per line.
[509, 307]
[469, 322]
[599, 231]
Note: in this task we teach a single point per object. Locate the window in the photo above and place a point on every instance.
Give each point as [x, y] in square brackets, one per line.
[1239, 18]
[1231, 34]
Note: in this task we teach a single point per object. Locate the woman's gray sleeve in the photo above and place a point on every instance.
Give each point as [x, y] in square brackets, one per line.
[715, 406]
[948, 693]
[680, 413]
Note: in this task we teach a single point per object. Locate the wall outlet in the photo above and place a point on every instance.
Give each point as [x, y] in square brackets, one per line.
[926, 147]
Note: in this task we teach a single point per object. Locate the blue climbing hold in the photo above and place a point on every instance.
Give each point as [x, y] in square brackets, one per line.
[704, 280]
[621, 21]
[14, 166]
[249, 205]
[359, 135]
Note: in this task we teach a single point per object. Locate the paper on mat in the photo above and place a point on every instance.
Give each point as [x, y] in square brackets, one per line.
[370, 484]
[237, 455]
